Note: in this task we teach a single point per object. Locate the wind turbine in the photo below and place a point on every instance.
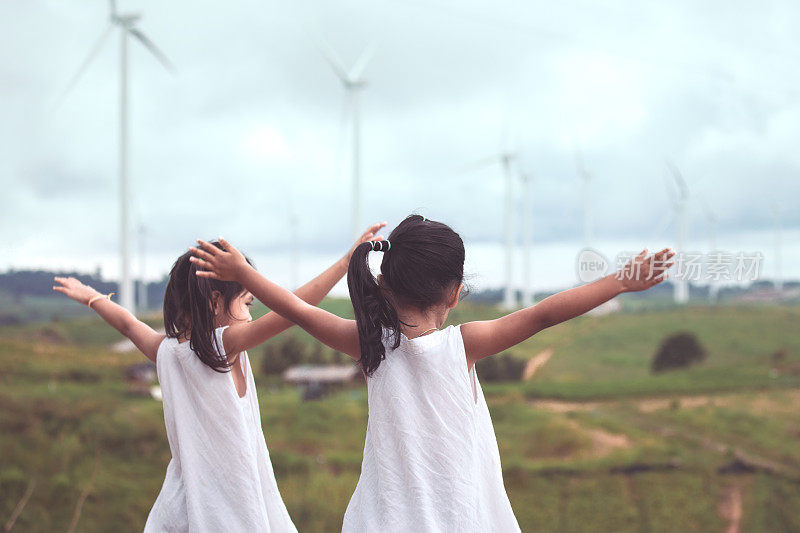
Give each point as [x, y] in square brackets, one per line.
[527, 230]
[776, 216]
[680, 201]
[586, 207]
[126, 23]
[711, 219]
[142, 230]
[505, 158]
[294, 250]
[353, 83]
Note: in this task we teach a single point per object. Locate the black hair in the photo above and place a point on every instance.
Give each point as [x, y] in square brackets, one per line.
[189, 309]
[423, 263]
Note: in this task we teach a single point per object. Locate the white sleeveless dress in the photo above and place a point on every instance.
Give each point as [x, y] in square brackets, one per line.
[220, 476]
[431, 461]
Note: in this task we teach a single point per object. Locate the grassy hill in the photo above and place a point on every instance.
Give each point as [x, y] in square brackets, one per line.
[593, 442]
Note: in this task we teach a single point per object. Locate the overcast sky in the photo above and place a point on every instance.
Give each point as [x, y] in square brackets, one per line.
[251, 124]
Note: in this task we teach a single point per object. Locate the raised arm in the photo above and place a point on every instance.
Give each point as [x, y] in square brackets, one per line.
[489, 337]
[230, 265]
[241, 337]
[143, 336]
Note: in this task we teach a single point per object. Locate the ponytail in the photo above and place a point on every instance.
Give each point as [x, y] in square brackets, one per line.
[189, 310]
[372, 307]
[423, 263]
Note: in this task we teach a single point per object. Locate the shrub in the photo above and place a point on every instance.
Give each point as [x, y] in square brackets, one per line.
[679, 350]
[503, 367]
[278, 356]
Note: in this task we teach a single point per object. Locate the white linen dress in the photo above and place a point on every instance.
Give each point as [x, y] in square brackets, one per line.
[220, 477]
[431, 462]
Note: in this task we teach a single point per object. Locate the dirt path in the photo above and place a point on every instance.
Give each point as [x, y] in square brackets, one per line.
[729, 508]
[646, 406]
[756, 403]
[536, 362]
[603, 442]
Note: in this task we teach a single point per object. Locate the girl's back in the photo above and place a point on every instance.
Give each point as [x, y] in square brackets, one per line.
[220, 477]
[431, 461]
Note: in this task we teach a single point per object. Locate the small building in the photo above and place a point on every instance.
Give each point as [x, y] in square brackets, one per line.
[141, 378]
[141, 373]
[316, 381]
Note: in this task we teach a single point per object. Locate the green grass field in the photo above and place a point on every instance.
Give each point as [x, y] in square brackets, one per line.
[593, 442]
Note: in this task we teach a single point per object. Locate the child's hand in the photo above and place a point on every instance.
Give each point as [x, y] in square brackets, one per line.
[224, 265]
[643, 271]
[75, 289]
[367, 236]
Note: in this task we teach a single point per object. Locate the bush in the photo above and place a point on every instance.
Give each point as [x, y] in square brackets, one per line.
[288, 351]
[679, 350]
[503, 367]
[279, 356]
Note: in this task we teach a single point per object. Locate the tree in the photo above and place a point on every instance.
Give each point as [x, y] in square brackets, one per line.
[503, 367]
[679, 350]
[278, 356]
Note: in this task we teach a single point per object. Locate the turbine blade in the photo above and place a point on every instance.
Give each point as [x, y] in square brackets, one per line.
[577, 156]
[113, 7]
[92, 54]
[666, 221]
[333, 59]
[579, 166]
[679, 181]
[362, 62]
[153, 49]
[670, 186]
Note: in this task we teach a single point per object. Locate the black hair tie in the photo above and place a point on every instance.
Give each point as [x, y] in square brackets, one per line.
[381, 246]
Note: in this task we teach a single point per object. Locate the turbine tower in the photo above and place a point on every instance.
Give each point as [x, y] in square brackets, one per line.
[142, 300]
[294, 252]
[711, 218]
[680, 201]
[126, 23]
[776, 216]
[586, 208]
[353, 83]
[505, 158]
[527, 231]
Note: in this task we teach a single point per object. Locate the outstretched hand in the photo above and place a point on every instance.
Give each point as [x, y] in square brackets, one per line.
[645, 271]
[212, 262]
[75, 289]
[369, 235]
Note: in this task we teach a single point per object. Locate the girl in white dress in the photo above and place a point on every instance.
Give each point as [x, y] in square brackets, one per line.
[431, 461]
[220, 477]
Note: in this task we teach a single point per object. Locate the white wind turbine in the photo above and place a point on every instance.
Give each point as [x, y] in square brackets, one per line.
[505, 158]
[294, 250]
[776, 216]
[586, 208]
[680, 203]
[142, 230]
[711, 219]
[353, 83]
[527, 231]
[127, 26]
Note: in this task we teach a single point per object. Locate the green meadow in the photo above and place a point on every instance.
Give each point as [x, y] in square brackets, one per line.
[593, 441]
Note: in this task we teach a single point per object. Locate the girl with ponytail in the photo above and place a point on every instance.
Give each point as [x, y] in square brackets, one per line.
[220, 477]
[431, 461]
